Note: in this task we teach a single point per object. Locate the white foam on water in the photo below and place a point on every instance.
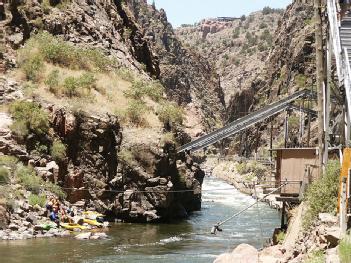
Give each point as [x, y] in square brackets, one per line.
[217, 192]
[171, 240]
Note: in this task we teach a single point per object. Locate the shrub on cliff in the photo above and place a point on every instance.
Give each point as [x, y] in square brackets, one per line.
[28, 179]
[9, 161]
[345, 249]
[58, 150]
[255, 169]
[32, 67]
[135, 112]
[315, 257]
[35, 199]
[55, 189]
[154, 90]
[56, 51]
[170, 113]
[28, 117]
[52, 81]
[79, 86]
[4, 175]
[322, 195]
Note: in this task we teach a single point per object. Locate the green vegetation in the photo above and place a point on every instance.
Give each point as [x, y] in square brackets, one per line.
[316, 257]
[28, 179]
[58, 150]
[170, 113]
[80, 86]
[135, 112]
[268, 10]
[236, 32]
[280, 237]
[154, 90]
[44, 47]
[345, 249]
[251, 39]
[53, 81]
[300, 80]
[32, 67]
[294, 121]
[9, 161]
[253, 169]
[35, 199]
[168, 138]
[4, 175]
[308, 21]
[267, 37]
[55, 189]
[28, 117]
[40, 148]
[322, 194]
[126, 156]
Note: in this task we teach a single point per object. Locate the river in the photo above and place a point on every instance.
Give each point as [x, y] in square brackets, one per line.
[186, 241]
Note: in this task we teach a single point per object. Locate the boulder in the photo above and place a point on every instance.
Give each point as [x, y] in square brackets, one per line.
[13, 227]
[98, 236]
[32, 218]
[65, 233]
[83, 236]
[243, 253]
[328, 218]
[151, 216]
[4, 217]
[333, 236]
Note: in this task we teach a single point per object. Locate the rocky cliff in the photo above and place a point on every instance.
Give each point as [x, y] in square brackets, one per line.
[115, 125]
[237, 47]
[189, 78]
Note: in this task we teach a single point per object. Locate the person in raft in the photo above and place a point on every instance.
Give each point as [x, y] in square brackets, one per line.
[54, 216]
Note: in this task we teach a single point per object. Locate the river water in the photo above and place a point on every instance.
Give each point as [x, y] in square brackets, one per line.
[186, 241]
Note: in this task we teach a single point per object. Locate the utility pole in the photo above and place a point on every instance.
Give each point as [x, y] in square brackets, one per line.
[320, 77]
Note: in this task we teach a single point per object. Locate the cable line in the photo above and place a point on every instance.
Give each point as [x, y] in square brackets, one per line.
[216, 228]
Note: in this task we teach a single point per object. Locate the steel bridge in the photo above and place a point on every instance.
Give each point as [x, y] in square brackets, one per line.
[249, 120]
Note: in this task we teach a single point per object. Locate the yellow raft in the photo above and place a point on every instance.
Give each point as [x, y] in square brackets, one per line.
[70, 226]
[92, 222]
[92, 214]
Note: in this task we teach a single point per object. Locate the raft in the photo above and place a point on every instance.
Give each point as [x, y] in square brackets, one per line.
[92, 222]
[92, 214]
[71, 227]
[47, 226]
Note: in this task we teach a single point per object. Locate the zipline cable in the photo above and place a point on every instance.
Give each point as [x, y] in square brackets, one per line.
[216, 228]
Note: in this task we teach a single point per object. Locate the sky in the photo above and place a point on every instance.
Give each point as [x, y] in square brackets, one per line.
[191, 11]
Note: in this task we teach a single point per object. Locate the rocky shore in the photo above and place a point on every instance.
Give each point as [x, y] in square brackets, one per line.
[298, 246]
[28, 222]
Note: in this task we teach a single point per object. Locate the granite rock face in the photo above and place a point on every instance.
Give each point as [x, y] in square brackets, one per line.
[140, 187]
[189, 78]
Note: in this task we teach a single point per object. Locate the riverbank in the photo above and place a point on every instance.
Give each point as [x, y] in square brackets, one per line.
[187, 240]
[319, 244]
[32, 221]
